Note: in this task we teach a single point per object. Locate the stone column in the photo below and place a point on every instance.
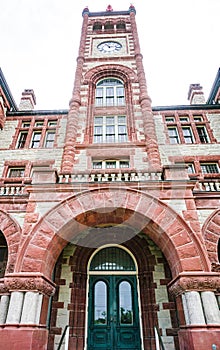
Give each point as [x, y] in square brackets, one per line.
[31, 308]
[194, 312]
[4, 303]
[15, 308]
[145, 102]
[211, 309]
[73, 115]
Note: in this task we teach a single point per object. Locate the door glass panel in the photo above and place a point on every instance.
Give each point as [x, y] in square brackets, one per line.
[100, 303]
[125, 303]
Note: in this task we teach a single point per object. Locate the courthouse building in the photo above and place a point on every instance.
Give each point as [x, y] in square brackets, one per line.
[110, 211]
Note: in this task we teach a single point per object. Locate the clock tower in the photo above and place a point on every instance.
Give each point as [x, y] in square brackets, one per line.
[110, 106]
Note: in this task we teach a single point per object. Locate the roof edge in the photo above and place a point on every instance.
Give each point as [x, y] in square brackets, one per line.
[214, 88]
[7, 92]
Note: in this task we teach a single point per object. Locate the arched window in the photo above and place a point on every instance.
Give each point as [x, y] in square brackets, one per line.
[112, 259]
[3, 254]
[109, 26]
[110, 128]
[97, 26]
[120, 25]
[110, 92]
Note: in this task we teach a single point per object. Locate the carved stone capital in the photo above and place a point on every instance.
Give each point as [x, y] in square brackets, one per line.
[3, 287]
[215, 267]
[195, 282]
[29, 282]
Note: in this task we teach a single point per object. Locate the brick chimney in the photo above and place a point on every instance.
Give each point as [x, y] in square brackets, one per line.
[28, 100]
[196, 95]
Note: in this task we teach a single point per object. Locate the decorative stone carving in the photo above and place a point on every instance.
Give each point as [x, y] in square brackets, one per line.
[29, 283]
[215, 267]
[191, 282]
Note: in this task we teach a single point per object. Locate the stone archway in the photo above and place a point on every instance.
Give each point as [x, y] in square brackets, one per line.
[138, 210]
[211, 234]
[12, 233]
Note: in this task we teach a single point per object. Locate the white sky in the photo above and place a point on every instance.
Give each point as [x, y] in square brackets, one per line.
[39, 43]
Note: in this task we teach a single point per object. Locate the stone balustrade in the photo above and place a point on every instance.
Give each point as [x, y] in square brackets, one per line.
[12, 189]
[208, 185]
[110, 177]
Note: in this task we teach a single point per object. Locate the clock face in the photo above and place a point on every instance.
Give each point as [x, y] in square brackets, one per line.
[109, 47]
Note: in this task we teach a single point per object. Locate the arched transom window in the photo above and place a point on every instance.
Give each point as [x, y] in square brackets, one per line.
[112, 259]
[110, 92]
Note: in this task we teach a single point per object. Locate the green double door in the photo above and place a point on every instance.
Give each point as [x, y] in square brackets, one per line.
[113, 317]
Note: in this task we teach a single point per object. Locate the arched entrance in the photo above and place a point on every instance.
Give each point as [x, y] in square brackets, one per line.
[113, 310]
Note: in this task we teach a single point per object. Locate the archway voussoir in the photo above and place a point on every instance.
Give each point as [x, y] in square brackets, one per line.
[59, 217]
[132, 200]
[146, 206]
[181, 238]
[32, 265]
[187, 251]
[165, 218]
[191, 264]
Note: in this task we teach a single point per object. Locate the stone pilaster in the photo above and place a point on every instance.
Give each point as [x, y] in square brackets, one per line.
[193, 309]
[145, 102]
[31, 308]
[75, 102]
[4, 304]
[15, 308]
[210, 306]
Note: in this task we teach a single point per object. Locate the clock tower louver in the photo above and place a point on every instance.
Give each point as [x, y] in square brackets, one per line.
[110, 239]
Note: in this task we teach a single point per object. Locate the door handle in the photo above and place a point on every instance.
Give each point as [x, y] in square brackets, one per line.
[112, 319]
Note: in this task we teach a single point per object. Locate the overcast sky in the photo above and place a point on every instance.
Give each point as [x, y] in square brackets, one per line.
[39, 43]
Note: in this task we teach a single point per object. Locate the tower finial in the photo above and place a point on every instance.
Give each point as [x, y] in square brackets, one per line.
[85, 11]
[132, 8]
[109, 8]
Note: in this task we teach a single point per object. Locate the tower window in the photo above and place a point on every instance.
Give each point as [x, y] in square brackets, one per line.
[97, 26]
[187, 134]
[35, 143]
[111, 164]
[110, 92]
[109, 26]
[184, 119]
[191, 168]
[39, 133]
[170, 119]
[209, 168]
[22, 139]
[202, 134]
[173, 135]
[110, 129]
[120, 26]
[50, 137]
[16, 172]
